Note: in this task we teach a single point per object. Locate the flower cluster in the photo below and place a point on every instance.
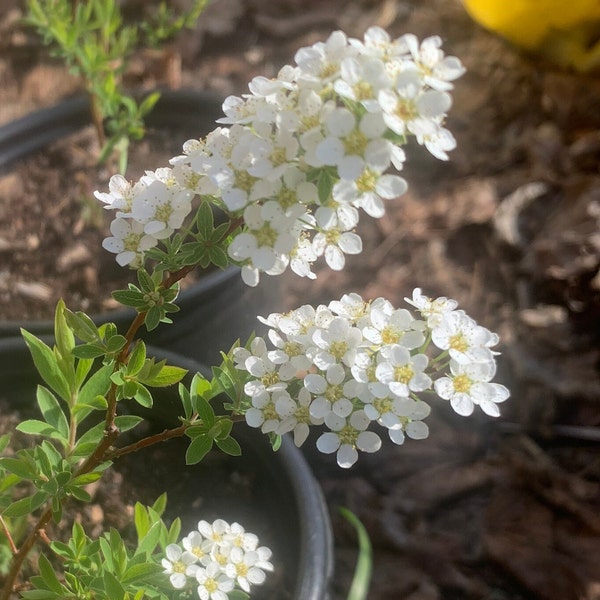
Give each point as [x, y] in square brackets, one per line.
[301, 155]
[353, 363]
[215, 559]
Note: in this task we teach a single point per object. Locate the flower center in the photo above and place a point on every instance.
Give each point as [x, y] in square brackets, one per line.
[406, 110]
[366, 182]
[270, 378]
[459, 342]
[403, 373]
[179, 567]
[244, 181]
[266, 235]
[131, 241]
[348, 435]
[328, 70]
[241, 569]
[363, 90]
[338, 349]
[211, 585]
[462, 384]
[163, 212]
[383, 405]
[389, 335]
[333, 393]
[355, 142]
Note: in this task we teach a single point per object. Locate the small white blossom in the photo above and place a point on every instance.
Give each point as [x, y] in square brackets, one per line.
[176, 565]
[470, 384]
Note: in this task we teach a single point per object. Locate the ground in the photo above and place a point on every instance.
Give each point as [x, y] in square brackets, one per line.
[496, 509]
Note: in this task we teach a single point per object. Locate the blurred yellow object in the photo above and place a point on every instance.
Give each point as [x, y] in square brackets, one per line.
[564, 31]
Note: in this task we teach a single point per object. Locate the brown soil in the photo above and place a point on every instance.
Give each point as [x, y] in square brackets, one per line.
[497, 510]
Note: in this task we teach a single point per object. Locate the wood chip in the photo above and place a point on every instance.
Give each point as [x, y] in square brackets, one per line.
[34, 291]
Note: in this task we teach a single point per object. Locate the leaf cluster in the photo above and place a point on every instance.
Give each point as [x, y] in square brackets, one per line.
[107, 568]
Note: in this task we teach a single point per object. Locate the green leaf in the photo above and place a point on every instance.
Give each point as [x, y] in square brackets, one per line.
[186, 400]
[205, 220]
[143, 396]
[89, 351]
[52, 411]
[47, 365]
[131, 298]
[82, 326]
[20, 467]
[114, 590]
[229, 446]
[160, 504]
[359, 589]
[97, 385]
[140, 572]
[153, 317]
[18, 509]
[65, 340]
[199, 447]
[168, 375]
[35, 427]
[150, 540]
[115, 343]
[49, 576]
[4, 441]
[218, 257]
[127, 422]
[205, 412]
[136, 359]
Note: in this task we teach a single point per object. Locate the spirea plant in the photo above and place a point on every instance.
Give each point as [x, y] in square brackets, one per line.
[96, 44]
[293, 165]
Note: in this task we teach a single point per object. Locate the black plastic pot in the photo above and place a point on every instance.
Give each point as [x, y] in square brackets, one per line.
[286, 493]
[215, 311]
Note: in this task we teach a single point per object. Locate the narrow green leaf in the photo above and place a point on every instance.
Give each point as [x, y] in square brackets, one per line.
[150, 540]
[18, 508]
[19, 467]
[168, 375]
[89, 351]
[35, 427]
[4, 441]
[140, 572]
[82, 326]
[52, 411]
[65, 340]
[205, 412]
[136, 359]
[160, 504]
[127, 422]
[199, 447]
[359, 589]
[229, 446]
[47, 366]
[153, 317]
[114, 590]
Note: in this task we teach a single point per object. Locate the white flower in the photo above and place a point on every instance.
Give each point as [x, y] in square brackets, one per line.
[369, 190]
[337, 343]
[176, 565]
[350, 306]
[352, 148]
[216, 531]
[120, 194]
[436, 69]
[161, 207]
[347, 437]
[213, 583]
[320, 63]
[237, 536]
[392, 326]
[408, 105]
[295, 415]
[433, 310]
[248, 568]
[196, 544]
[469, 384]
[465, 340]
[361, 79]
[334, 243]
[329, 393]
[128, 242]
[400, 416]
[401, 372]
[263, 412]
